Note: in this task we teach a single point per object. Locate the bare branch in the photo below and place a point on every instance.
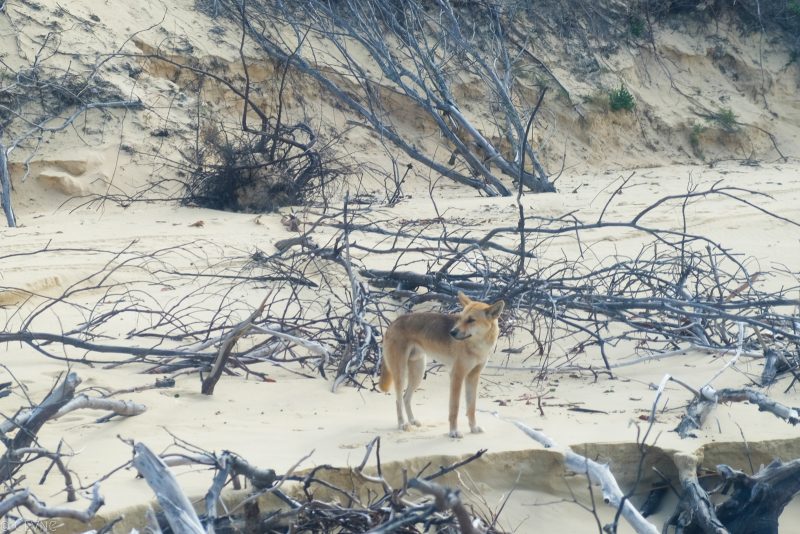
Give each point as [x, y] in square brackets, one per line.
[598, 474]
[26, 499]
[179, 511]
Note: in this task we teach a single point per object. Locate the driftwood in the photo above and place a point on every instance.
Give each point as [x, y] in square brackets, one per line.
[118, 407]
[82, 401]
[446, 499]
[213, 494]
[695, 506]
[681, 292]
[384, 512]
[179, 512]
[26, 433]
[311, 346]
[19, 450]
[754, 506]
[702, 405]
[598, 474]
[26, 499]
[757, 501]
[303, 241]
[238, 466]
[225, 348]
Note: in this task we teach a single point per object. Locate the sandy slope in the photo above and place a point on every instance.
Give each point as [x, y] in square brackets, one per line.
[273, 424]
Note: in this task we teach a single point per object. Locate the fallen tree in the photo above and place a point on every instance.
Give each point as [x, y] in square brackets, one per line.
[754, 503]
[414, 50]
[23, 448]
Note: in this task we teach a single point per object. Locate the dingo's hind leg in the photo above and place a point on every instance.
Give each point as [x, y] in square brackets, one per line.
[399, 384]
[395, 357]
[416, 369]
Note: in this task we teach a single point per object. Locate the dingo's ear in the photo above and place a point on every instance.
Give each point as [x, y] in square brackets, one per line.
[463, 299]
[496, 309]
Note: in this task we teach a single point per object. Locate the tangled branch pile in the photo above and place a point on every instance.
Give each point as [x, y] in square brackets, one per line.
[327, 306]
[322, 500]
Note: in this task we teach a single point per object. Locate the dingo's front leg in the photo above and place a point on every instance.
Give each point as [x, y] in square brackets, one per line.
[472, 397]
[456, 379]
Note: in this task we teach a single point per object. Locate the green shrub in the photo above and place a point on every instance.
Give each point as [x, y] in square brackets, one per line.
[636, 26]
[621, 99]
[726, 119]
[694, 138]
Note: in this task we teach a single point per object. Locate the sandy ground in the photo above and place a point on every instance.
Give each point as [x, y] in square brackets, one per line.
[274, 424]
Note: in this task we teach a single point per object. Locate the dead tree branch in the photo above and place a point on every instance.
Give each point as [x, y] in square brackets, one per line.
[228, 342]
[755, 502]
[701, 406]
[680, 292]
[598, 474]
[26, 432]
[180, 514]
[382, 512]
[117, 407]
[5, 188]
[399, 43]
[695, 499]
[33, 453]
[446, 499]
[26, 499]
[259, 478]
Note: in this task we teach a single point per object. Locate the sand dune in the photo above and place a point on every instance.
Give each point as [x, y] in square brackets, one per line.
[274, 423]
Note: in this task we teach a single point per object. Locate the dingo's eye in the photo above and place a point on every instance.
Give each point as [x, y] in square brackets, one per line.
[470, 320]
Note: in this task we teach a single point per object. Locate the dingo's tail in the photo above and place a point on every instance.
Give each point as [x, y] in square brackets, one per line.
[386, 376]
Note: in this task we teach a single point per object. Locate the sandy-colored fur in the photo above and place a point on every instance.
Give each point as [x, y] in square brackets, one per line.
[462, 341]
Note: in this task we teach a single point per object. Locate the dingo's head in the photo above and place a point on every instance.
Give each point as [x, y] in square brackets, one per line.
[477, 318]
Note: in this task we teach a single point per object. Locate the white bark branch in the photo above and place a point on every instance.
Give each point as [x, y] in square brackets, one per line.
[598, 474]
[119, 407]
[312, 346]
[179, 512]
[26, 499]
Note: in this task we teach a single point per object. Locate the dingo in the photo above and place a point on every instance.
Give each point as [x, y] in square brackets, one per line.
[463, 341]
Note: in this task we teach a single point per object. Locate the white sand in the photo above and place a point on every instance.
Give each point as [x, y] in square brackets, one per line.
[273, 424]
